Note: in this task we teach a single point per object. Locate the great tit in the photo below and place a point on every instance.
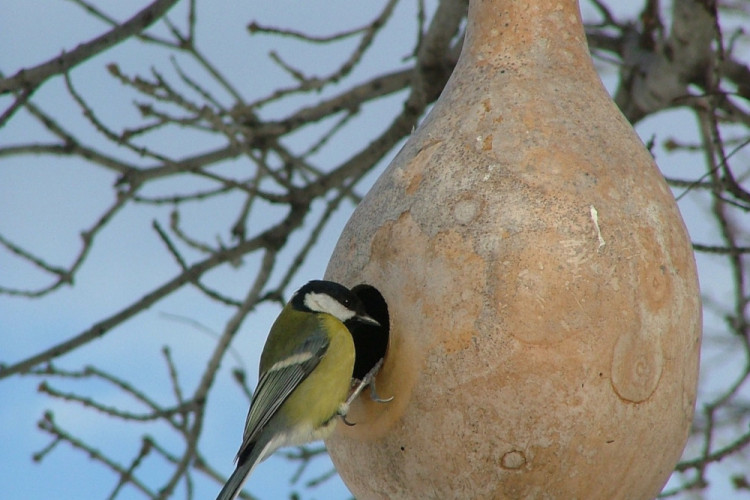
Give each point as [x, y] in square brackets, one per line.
[305, 376]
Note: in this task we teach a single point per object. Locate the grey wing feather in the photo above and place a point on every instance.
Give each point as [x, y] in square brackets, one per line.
[275, 386]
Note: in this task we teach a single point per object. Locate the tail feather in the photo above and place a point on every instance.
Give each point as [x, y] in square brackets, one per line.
[234, 484]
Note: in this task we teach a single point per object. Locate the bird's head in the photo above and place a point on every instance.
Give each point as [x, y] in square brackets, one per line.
[331, 298]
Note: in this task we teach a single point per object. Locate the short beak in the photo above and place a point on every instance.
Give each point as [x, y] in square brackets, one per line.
[366, 320]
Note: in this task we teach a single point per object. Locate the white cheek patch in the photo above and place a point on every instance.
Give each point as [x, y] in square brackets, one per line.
[321, 302]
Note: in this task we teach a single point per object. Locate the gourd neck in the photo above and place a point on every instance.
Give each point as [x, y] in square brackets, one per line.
[546, 33]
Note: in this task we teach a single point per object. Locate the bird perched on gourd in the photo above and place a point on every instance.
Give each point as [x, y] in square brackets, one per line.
[305, 380]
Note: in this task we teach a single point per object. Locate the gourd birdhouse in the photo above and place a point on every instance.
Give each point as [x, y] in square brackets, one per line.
[545, 316]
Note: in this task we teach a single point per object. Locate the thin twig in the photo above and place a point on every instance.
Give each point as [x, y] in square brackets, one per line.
[30, 78]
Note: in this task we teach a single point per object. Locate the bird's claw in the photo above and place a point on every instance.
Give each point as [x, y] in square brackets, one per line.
[368, 380]
[371, 376]
[342, 412]
[374, 395]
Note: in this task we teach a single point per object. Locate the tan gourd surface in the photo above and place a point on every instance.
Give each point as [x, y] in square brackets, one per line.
[545, 312]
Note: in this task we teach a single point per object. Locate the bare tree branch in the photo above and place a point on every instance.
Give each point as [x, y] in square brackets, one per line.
[30, 78]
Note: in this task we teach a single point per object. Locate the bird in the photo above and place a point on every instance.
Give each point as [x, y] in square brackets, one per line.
[305, 376]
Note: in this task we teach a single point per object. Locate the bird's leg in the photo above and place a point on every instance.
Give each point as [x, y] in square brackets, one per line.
[344, 407]
[367, 380]
[370, 380]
